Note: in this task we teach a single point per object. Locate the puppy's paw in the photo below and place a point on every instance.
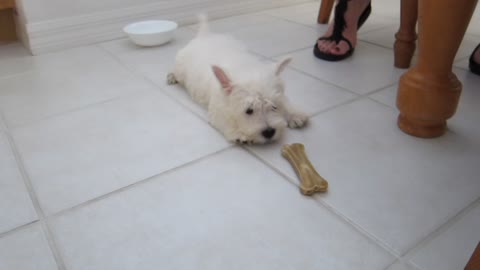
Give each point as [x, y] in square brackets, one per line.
[171, 79]
[297, 120]
[243, 140]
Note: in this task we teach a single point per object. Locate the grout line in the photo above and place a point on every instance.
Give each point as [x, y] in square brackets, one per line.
[322, 80]
[272, 57]
[23, 171]
[359, 39]
[444, 226]
[17, 74]
[52, 242]
[331, 209]
[411, 266]
[383, 104]
[140, 182]
[390, 265]
[35, 201]
[73, 110]
[375, 44]
[337, 86]
[270, 165]
[159, 88]
[336, 106]
[19, 228]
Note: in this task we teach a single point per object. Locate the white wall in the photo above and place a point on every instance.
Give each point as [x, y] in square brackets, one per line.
[50, 25]
[44, 10]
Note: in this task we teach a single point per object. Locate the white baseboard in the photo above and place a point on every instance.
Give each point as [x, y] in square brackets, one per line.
[76, 31]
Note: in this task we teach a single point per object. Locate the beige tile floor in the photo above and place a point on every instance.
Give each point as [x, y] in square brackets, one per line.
[104, 167]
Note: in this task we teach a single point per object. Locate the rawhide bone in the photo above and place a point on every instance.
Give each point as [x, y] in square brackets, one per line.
[310, 180]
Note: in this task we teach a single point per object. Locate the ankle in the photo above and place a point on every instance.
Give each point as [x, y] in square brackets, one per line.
[357, 7]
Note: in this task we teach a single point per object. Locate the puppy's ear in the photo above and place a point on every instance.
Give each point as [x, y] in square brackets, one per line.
[222, 77]
[280, 66]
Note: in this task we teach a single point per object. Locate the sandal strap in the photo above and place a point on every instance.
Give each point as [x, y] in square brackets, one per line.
[339, 21]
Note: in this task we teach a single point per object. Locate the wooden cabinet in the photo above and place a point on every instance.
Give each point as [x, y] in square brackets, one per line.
[7, 22]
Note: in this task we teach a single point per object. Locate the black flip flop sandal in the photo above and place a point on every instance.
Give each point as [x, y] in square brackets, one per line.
[474, 67]
[337, 35]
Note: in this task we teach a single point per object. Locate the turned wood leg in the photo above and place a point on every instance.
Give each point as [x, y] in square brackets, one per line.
[406, 35]
[428, 93]
[325, 11]
[474, 262]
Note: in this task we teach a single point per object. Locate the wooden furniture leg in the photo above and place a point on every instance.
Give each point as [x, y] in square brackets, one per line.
[428, 93]
[406, 36]
[474, 262]
[325, 11]
[7, 23]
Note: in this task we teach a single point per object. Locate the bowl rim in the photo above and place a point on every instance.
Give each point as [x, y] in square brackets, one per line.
[171, 25]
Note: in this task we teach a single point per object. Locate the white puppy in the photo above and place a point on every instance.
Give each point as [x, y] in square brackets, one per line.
[244, 96]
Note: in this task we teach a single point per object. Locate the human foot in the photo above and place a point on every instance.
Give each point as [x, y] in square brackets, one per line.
[475, 60]
[341, 36]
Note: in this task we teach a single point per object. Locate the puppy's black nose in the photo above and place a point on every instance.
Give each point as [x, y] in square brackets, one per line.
[268, 133]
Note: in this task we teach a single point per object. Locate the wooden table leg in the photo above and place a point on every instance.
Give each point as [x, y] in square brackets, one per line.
[428, 93]
[406, 36]
[474, 262]
[325, 11]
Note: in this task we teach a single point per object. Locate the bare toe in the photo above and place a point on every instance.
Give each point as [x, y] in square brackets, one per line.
[339, 49]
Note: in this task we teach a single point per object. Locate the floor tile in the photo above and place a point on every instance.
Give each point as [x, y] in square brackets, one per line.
[230, 24]
[215, 213]
[16, 208]
[91, 120]
[181, 95]
[78, 156]
[375, 168]
[85, 76]
[307, 14]
[283, 37]
[3, 127]
[387, 8]
[304, 13]
[466, 49]
[465, 119]
[376, 22]
[385, 37]
[312, 95]
[451, 249]
[474, 26]
[370, 68]
[462, 63]
[401, 266]
[15, 59]
[26, 249]
[388, 96]
[467, 46]
[152, 62]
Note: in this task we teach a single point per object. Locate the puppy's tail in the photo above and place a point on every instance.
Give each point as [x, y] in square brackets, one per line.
[203, 23]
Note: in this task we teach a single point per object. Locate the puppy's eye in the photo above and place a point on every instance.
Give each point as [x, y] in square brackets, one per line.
[274, 108]
[249, 111]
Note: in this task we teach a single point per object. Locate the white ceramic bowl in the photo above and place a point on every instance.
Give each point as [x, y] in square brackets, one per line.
[151, 33]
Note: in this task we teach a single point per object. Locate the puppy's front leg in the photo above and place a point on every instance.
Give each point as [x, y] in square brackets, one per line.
[171, 79]
[295, 118]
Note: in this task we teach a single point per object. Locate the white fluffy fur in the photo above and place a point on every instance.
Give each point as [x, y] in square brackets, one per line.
[244, 96]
